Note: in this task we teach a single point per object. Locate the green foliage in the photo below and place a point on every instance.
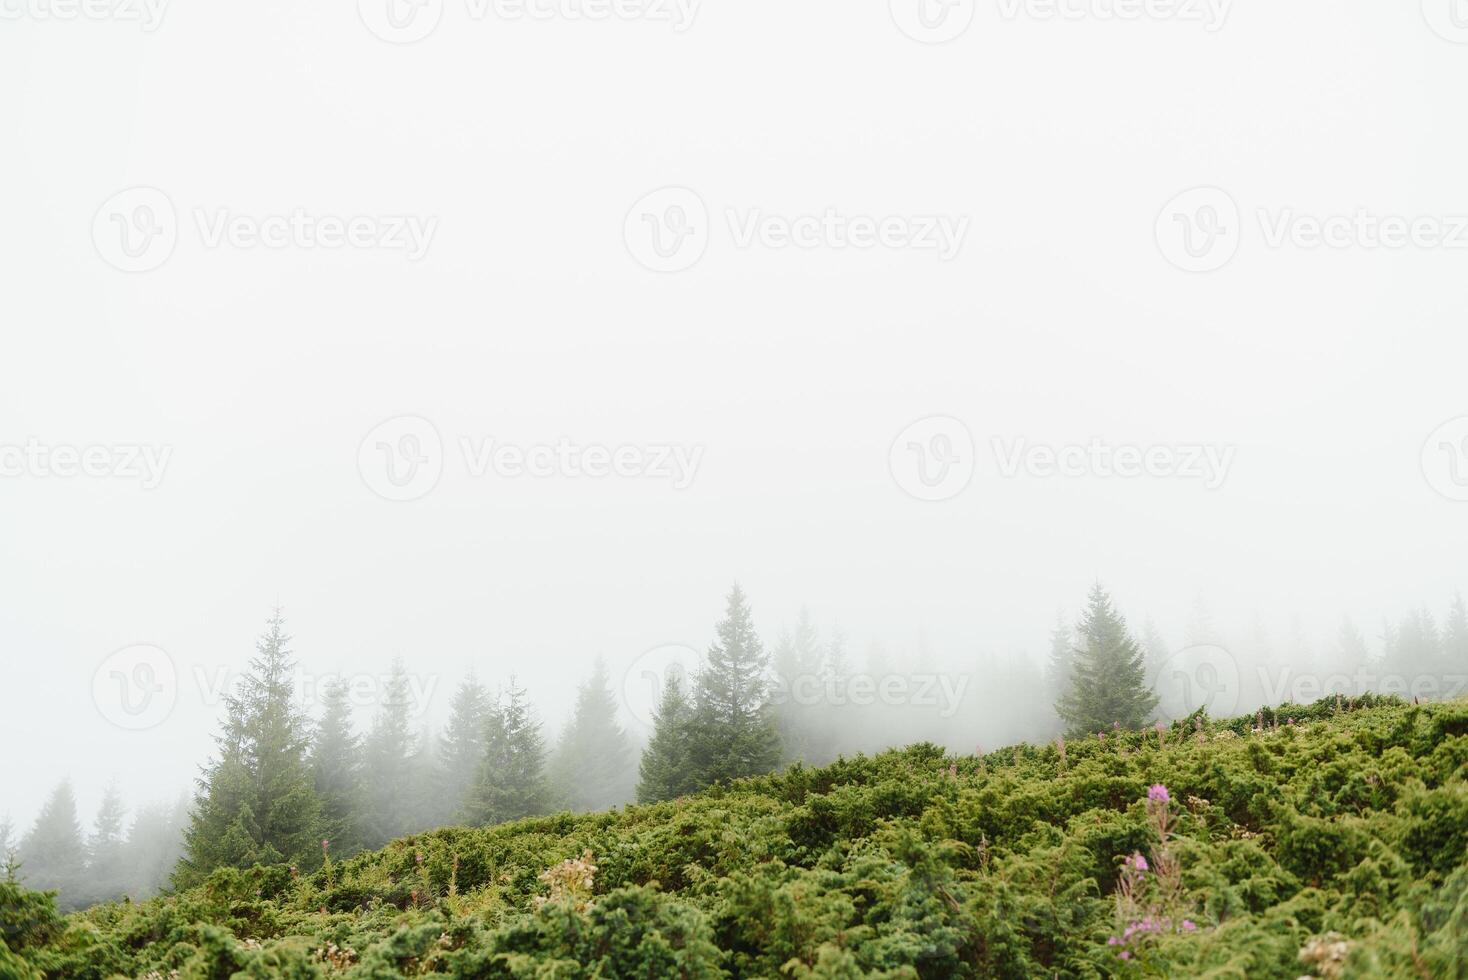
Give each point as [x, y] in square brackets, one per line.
[592, 765]
[733, 731]
[666, 771]
[511, 780]
[337, 771]
[1330, 847]
[52, 855]
[1108, 682]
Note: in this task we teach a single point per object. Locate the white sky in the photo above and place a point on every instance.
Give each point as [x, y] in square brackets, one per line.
[530, 320]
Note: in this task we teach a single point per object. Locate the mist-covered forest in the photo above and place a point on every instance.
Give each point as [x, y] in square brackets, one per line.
[305, 781]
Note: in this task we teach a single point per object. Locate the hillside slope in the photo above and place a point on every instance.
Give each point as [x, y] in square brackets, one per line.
[1335, 844]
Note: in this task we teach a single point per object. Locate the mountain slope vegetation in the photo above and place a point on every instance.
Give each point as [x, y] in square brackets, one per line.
[1328, 840]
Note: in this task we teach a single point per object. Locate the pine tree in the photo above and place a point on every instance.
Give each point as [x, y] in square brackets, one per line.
[591, 768]
[52, 855]
[1060, 663]
[391, 774]
[510, 783]
[1455, 634]
[107, 877]
[461, 747]
[733, 733]
[255, 803]
[155, 845]
[666, 770]
[1108, 679]
[336, 771]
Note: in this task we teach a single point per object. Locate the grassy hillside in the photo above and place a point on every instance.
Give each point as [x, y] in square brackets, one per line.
[1336, 845]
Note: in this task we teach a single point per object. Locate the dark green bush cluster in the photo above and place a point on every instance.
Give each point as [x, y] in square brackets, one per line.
[1327, 840]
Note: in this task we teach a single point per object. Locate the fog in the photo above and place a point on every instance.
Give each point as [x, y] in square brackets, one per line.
[519, 344]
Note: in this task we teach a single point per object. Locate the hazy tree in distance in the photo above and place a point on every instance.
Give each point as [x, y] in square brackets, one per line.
[107, 872]
[52, 854]
[336, 771]
[591, 768]
[1060, 663]
[510, 783]
[461, 746]
[666, 771]
[389, 753]
[1109, 684]
[255, 802]
[733, 732]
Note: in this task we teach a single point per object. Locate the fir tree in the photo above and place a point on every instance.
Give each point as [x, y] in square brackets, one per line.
[666, 770]
[591, 768]
[1060, 663]
[1108, 680]
[510, 783]
[155, 845]
[461, 747]
[255, 802]
[107, 873]
[389, 763]
[52, 855]
[733, 733]
[1455, 634]
[336, 771]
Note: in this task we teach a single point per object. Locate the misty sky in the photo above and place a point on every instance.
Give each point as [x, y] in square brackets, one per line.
[502, 293]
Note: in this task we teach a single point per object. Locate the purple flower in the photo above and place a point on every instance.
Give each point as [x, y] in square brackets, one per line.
[1126, 954]
[1189, 925]
[1157, 793]
[1113, 941]
[1139, 862]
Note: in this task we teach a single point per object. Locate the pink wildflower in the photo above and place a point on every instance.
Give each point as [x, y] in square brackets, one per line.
[1157, 793]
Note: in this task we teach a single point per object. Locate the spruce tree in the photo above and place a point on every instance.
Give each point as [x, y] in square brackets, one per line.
[733, 733]
[1108, 679]
[510, 783]
[255, 802]
[155, 845]
[52, 855]
[591, 768]
[107, 873]
[666, 770]
[1455, 634]
[336, 771]
[1060, 664]
[391, 773]
[461, 747]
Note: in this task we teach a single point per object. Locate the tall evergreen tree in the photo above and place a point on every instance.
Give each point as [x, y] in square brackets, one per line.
[1108, 680]
[391, 773]
[461, 747]
[511, 779]
[155, 845]
[255, 802]
[1455, 634]
[107, 872]
[1059, 665]
[666, 770]
[336, 771]
[733, 732]
[591, 768]
[52, 855]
